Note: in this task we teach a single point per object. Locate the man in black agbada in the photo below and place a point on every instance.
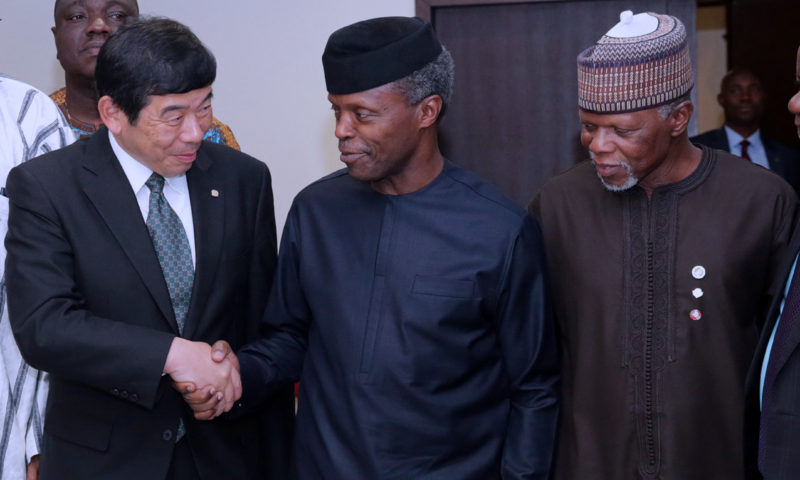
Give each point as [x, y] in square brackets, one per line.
[409, 298]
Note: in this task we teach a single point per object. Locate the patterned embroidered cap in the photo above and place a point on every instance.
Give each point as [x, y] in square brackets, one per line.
[643, 62]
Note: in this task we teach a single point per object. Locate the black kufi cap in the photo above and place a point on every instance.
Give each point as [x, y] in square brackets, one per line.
[374, 52]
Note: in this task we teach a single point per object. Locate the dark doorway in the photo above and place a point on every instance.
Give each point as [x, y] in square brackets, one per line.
[763, 35]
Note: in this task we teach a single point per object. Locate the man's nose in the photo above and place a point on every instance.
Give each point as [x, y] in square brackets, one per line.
[98, 24]
[191, 130]
[794, 104]
[599, 142]
[344, 128]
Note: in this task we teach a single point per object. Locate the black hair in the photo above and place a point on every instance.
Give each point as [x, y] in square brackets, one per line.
[726, 79]
[151, 56]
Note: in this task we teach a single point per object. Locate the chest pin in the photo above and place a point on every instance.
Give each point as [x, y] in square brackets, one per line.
[698, 272]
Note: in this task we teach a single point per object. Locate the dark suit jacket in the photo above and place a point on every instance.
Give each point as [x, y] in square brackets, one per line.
[89, 304]
[782, 461]
[782, 160]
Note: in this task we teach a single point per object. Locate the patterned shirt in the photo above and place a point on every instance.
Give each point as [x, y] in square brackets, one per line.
[218, 133]
[30, 125]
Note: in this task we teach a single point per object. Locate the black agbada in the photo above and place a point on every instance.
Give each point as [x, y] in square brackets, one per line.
[419, 329]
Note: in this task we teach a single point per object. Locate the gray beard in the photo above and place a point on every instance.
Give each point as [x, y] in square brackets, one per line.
[629, 183]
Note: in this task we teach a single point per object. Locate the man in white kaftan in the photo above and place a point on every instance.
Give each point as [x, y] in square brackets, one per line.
[30, 125]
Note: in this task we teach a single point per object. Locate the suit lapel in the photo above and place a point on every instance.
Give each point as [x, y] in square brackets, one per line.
[722, 139]
[793, 339]
[773, 158]
[208, 213]
[106, 186]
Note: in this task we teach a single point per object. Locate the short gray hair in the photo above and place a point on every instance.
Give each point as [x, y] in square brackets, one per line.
[665, 110]
[435, 78]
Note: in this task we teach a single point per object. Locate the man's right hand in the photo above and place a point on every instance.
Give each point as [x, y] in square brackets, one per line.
[32, 472]
[196, 363]
[206, 402]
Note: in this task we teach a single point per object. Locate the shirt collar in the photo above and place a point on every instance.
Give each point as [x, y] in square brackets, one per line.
[136, 172]
[734, 138]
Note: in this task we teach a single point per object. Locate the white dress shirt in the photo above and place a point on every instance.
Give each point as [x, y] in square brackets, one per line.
[755, 150]
[176, 190]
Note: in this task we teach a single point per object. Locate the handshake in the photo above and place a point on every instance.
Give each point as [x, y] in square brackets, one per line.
[207, 376]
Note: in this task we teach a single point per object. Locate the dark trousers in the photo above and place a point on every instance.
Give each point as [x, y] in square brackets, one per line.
[182, 466]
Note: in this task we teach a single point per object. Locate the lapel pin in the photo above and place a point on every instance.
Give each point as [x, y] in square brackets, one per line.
[698, 272]
[214, 192]
[697, 292]
[695, 314]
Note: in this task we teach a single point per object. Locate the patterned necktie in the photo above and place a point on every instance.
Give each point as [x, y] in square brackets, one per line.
[787, 322]
[172, 248]
[745, 144]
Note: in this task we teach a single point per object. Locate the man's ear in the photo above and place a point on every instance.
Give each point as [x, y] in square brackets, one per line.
[679, 118]
[429, 110]
[112, 116]
[53, 29]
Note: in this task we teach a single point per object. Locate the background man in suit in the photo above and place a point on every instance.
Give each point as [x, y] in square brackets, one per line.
[128, 254]
[742, 98]
[772, 422]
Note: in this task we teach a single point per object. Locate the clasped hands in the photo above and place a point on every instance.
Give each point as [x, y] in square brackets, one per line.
[207, 376]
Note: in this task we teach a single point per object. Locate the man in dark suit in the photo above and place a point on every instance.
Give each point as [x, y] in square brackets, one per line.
[128, 254]
[772, 420]
[742, 98]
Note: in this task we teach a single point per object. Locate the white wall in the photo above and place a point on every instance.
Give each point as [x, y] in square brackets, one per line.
[270, 86]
